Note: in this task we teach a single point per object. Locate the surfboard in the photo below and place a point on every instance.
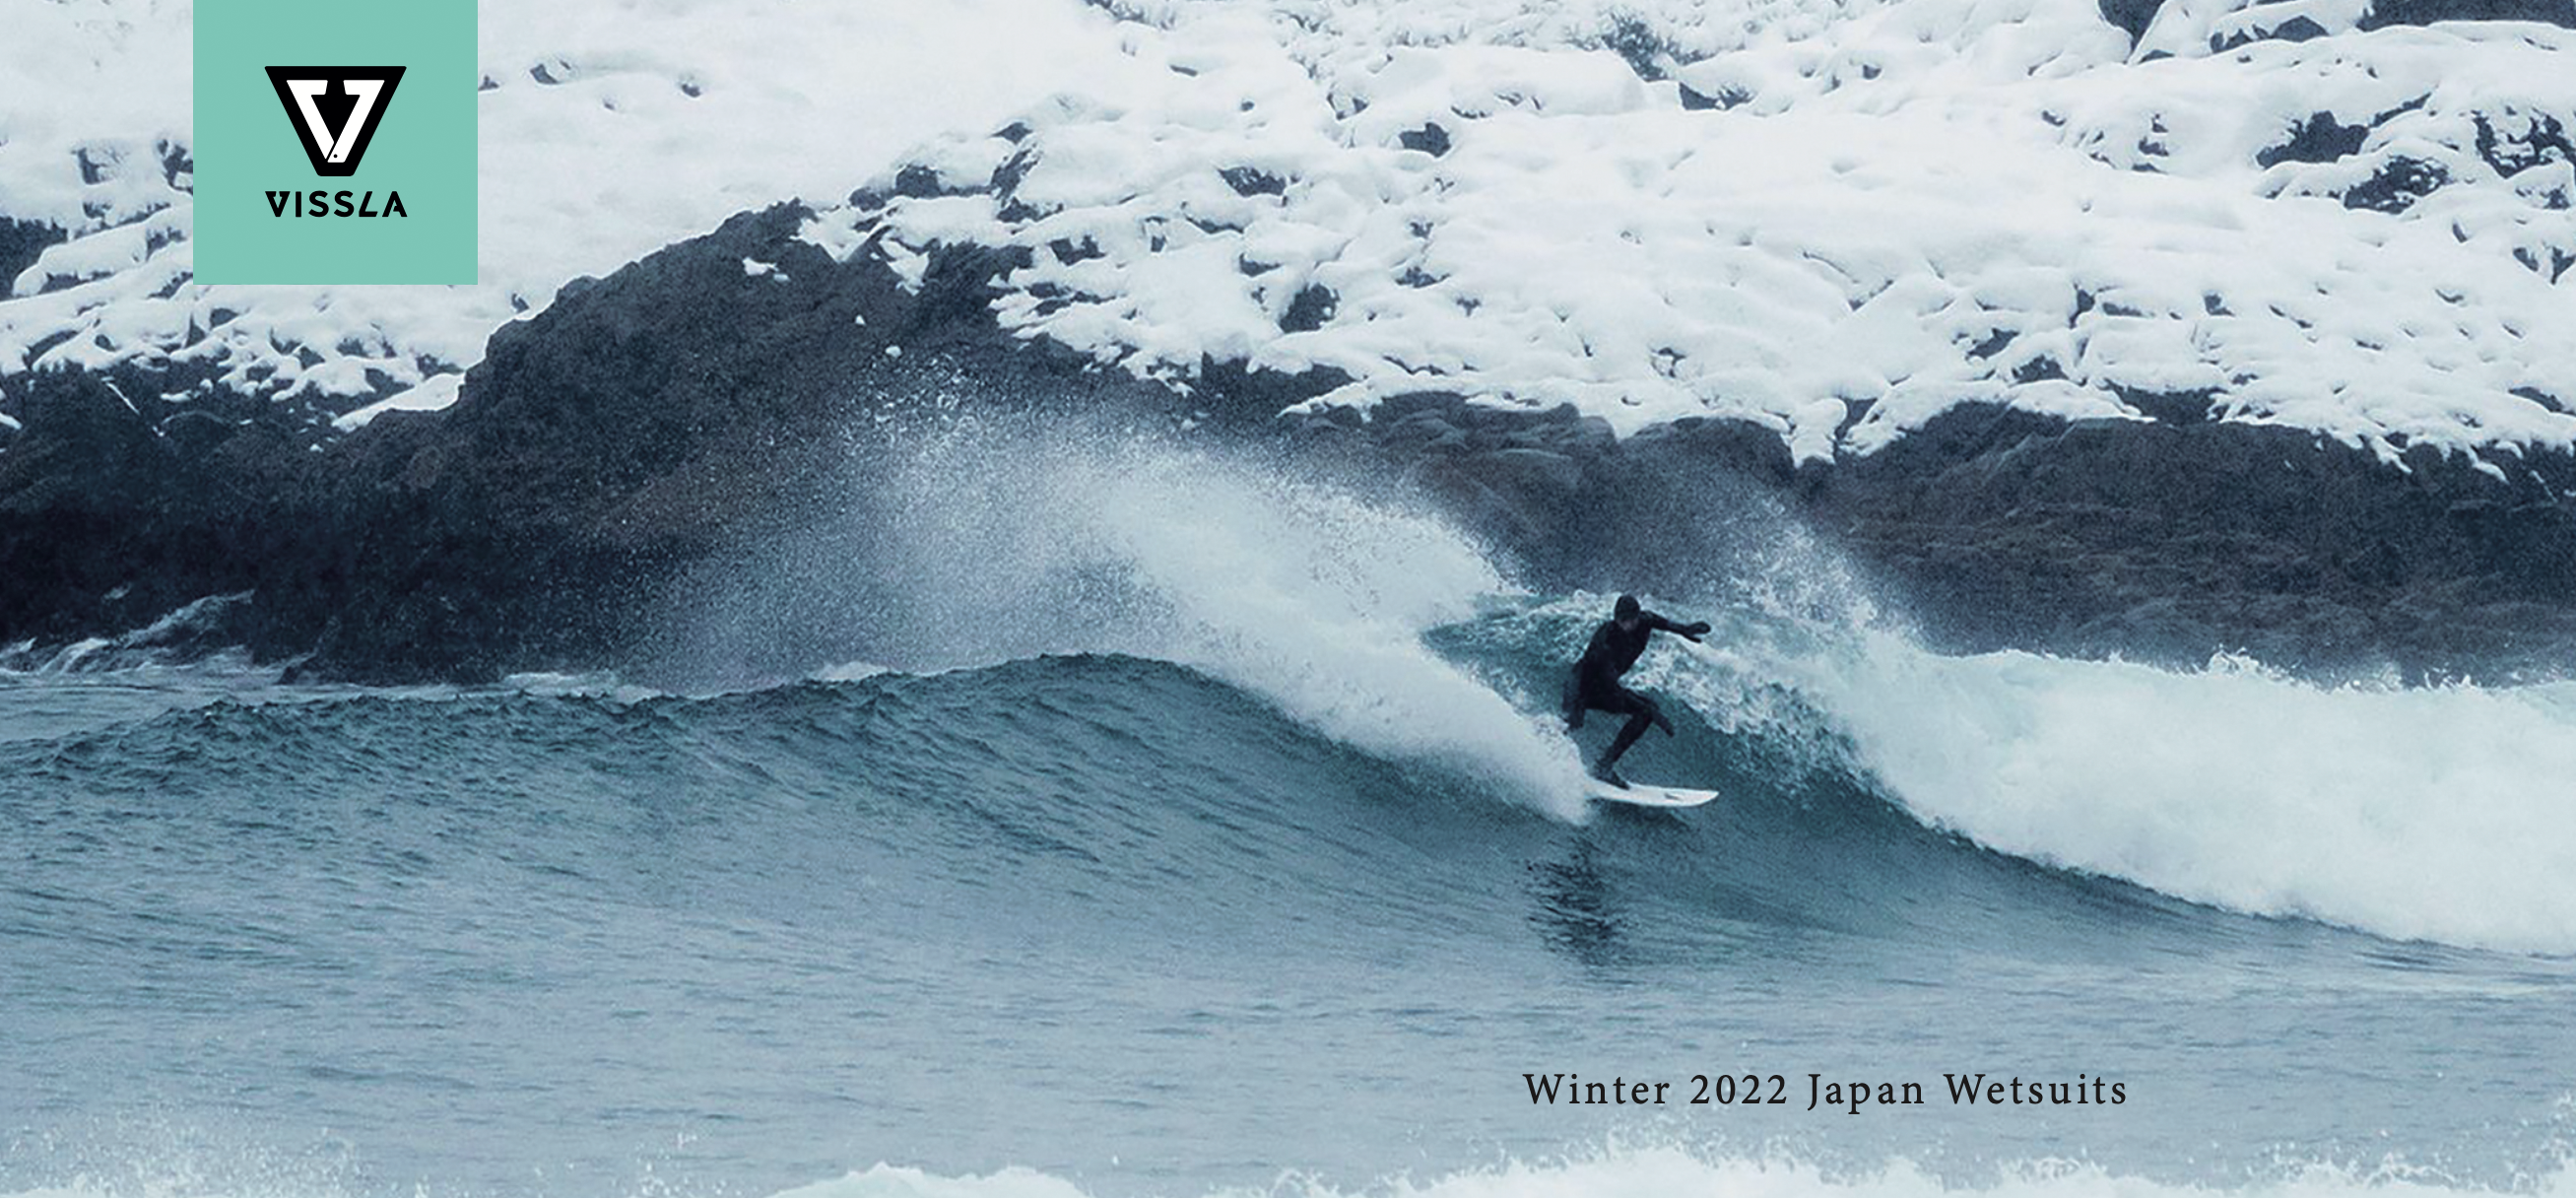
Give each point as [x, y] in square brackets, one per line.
[1638, 794]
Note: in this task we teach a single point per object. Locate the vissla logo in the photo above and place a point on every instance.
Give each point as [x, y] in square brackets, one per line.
[335, 111]
[269, 213]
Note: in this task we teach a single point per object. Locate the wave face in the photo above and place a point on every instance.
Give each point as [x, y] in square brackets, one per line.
[1163, 822]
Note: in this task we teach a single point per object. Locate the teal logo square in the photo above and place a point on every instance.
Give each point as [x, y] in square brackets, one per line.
[335, 141]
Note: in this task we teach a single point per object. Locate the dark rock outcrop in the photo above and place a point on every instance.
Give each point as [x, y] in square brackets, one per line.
[21, 243]
[2157, 541]
[646, 422]
[2130, 16]
[2321, 138]
[2171, 540]
[600, 448]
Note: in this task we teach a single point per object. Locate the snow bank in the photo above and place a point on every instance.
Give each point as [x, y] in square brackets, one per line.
[609, 128]
[1834, 219]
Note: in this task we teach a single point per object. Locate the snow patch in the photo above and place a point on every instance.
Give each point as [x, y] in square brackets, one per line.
[431, 395]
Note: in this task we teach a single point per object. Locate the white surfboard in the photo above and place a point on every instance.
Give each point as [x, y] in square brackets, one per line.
[1638, 794]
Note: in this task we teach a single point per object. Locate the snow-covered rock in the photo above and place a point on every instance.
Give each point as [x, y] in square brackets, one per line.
[609, 128]
[1836, 221]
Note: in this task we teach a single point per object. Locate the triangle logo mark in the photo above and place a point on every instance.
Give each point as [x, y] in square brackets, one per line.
[335, 111]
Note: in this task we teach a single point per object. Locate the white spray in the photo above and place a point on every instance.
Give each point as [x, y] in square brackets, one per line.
[1292, 588]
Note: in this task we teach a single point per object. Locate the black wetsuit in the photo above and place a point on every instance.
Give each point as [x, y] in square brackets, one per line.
[1595, 685]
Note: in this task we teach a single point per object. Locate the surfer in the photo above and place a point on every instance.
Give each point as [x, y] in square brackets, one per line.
[1616, 646]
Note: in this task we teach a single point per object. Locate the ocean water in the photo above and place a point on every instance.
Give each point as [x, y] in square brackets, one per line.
[1159, 825]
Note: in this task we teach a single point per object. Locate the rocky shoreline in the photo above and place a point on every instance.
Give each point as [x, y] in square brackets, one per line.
[645, 422]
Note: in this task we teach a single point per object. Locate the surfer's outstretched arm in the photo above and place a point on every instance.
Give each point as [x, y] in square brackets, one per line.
[1690, 632]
